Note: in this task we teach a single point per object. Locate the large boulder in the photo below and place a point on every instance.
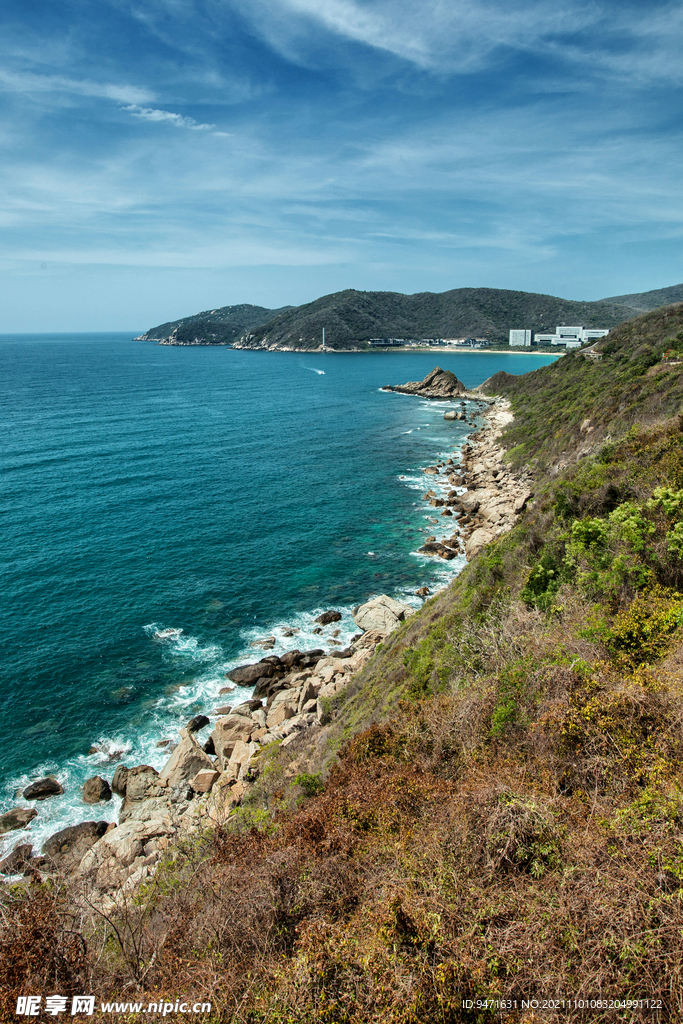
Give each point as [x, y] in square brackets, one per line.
[110, 860]
[246, 675]
[291, 658]
[197, 723]
[66, 849]
[204, 780]
[17, 861]
[96, 790]
[228, 731]
[328, 617]
[118, 783]
[479, 539]
[186, 760]
[381, 613]
[18, 817]
[143, 793]
[435, 547]
[41, 789]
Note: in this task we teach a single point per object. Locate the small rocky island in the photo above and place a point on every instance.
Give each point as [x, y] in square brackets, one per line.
[437, 384]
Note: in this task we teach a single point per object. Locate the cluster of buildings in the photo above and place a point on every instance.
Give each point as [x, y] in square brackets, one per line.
[569, 337]
[428, 342]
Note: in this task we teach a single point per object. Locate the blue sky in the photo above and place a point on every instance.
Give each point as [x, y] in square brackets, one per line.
[167, 156]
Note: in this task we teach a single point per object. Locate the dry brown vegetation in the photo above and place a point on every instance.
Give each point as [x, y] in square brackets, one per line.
[441, 863]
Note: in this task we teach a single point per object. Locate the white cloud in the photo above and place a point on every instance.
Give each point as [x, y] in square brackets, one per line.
[463, 36]
[434, 35]
[168, 117]
[27, 82]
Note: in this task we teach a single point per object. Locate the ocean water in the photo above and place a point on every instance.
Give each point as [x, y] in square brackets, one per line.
[225, 496]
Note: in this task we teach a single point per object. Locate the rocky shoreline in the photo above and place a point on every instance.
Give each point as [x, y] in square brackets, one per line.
[201, 785]
[480, 492]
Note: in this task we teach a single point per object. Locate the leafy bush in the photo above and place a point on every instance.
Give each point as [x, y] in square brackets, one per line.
[645, 631]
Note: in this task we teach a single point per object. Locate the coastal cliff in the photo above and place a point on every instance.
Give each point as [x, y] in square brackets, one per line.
[489, 806]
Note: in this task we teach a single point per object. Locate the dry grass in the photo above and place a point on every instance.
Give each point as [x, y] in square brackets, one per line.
[441, 863]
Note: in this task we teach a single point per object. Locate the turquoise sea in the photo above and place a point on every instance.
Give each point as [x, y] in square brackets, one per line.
[225, 495]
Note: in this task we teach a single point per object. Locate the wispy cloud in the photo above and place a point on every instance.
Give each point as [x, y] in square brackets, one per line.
[168, 117]
[458, 36]
[466, 36]
[29, 82]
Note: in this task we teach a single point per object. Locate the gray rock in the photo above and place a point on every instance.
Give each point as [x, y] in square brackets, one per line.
[228, 732]
[118, 783]
[186, 760]
[142, 784]
[328, 617]
[41, 789]
[65, 850]
[246, 674]
[18, 817]
[108, 859]
[478, 540]
[17, 861]
[197, 723]
[437, 384]
[381, 613]
[96, 790]
[291, 658]
[521, 501]
[247, 707]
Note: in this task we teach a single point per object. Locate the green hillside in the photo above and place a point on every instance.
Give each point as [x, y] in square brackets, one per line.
[644, 301]
[573, 404]
[220, 326]
[351, 318]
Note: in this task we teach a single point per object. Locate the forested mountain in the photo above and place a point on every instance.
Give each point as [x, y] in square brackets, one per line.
[220, 326]
[645, 301]
[351, 318]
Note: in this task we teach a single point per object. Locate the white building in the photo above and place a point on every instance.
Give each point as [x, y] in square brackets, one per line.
[520, 339]
[571, 337]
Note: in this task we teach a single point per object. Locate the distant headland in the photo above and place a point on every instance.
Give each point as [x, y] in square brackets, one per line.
[356, 321]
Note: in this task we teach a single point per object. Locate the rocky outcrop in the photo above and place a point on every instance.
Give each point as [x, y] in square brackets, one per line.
[437, 384]
[381, 613]
[195, 789]
[187, 759]
[125, 855]
[65, 850]
[197, 723]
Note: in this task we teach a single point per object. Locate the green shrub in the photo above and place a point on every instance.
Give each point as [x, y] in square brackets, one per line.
[311, 784]
[645, 631]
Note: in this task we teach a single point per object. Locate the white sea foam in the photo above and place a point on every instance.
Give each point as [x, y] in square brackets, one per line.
[322, 372]
[209, 666]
